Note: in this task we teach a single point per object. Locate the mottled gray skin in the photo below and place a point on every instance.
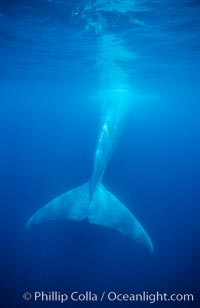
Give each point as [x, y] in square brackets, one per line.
[104, 210]
[108, 138]
[92, 202]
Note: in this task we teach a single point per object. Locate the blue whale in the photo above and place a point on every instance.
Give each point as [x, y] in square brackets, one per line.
[92, 202]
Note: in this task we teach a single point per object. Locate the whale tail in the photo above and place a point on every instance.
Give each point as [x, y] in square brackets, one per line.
[104, 209]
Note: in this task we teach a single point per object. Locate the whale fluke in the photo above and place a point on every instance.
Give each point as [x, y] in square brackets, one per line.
[104, 209]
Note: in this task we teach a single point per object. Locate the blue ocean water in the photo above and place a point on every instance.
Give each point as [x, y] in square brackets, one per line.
[55, 58]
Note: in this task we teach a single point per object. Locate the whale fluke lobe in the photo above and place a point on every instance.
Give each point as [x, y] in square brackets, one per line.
[71, 206]
[104, 210]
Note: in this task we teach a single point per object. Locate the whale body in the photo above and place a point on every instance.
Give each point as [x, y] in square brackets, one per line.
[92, 202]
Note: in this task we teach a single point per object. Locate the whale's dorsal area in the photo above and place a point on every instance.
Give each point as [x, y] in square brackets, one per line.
[104, 210]
[92, 202]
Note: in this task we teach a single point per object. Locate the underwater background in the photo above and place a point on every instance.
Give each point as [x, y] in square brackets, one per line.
[51, 72]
